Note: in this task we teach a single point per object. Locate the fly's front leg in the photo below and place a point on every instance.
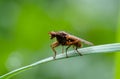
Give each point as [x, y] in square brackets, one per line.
[53, 45]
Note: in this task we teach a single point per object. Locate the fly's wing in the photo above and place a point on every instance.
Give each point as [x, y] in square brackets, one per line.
[86, 42]
[82, 40]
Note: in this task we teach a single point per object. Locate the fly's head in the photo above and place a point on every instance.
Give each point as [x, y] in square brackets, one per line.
[52, 34]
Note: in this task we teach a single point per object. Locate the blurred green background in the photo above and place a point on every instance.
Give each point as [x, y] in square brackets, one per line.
[24, 39]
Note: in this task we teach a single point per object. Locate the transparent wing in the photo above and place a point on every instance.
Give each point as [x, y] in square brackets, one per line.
[86, 42]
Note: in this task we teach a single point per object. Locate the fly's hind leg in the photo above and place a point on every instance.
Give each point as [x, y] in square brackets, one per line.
[53, 45]
[78, 45]
[78, 51]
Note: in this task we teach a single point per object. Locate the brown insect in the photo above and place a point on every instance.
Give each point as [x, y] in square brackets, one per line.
[65, 39]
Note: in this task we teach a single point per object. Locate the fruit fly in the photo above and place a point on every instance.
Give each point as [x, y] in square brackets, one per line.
[66, 39]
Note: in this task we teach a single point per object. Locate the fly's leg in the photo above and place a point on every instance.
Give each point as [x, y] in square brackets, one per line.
[78, 45]
[62, 49]
[66, 51]
[78, 51]
[53, 45]
[74, 48]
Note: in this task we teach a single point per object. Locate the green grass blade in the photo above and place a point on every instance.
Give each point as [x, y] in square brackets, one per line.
[117, 57]
[107, 48]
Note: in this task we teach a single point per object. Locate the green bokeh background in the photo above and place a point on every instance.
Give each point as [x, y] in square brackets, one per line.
[24, 39]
